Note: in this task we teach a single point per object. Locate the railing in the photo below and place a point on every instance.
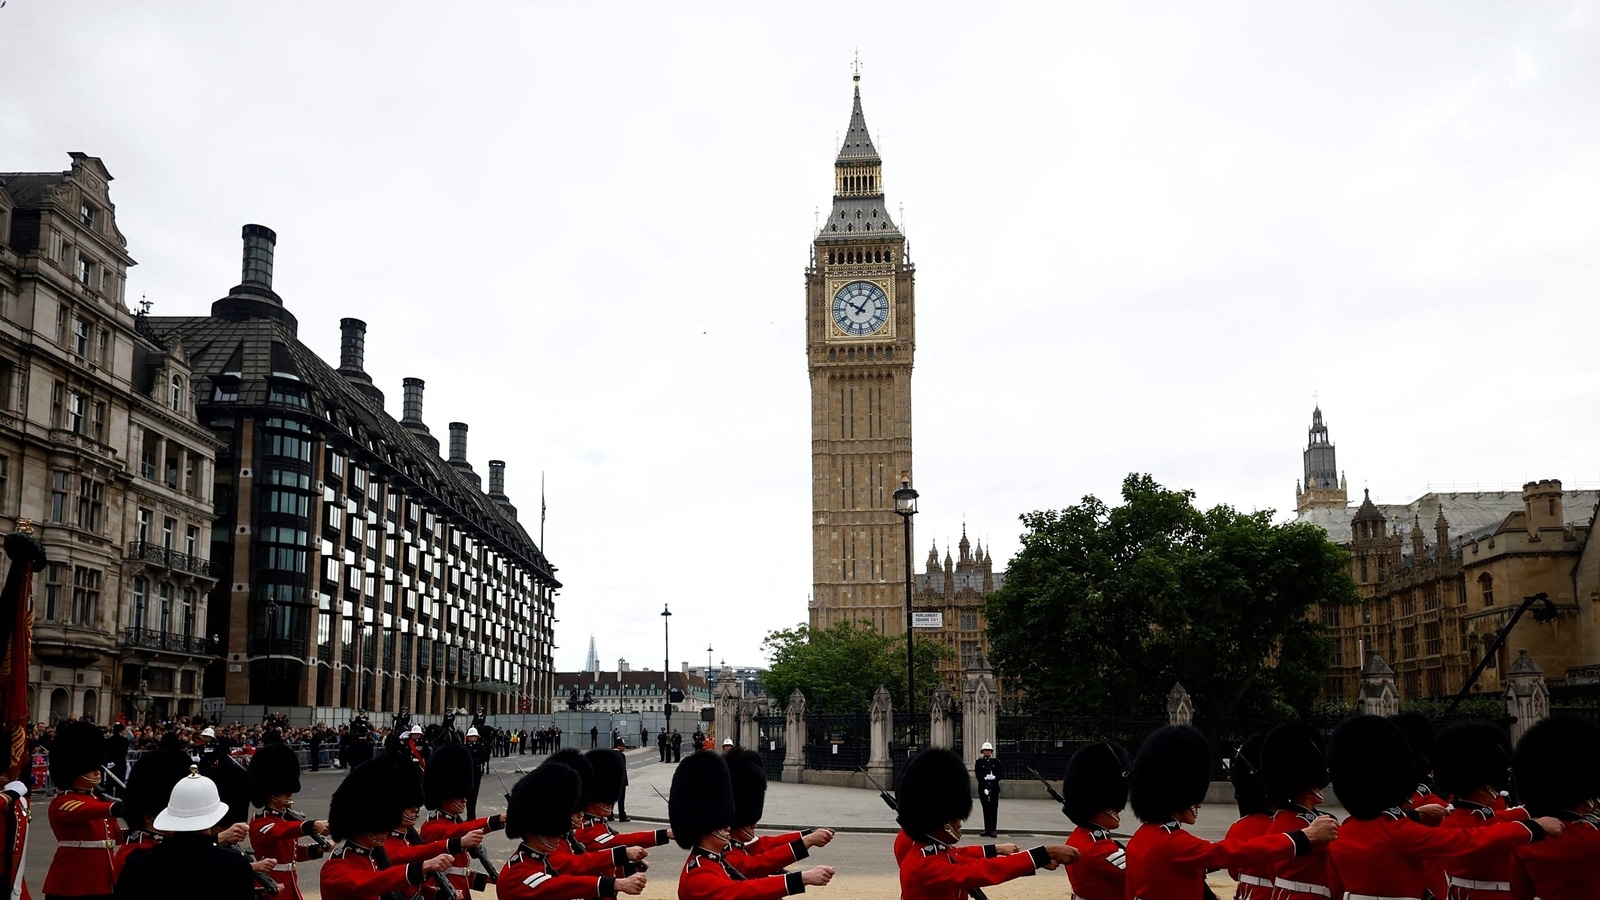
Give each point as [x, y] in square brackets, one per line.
[1044, 743]
[839, 742]
[151, 639]
[774, 730]
[169, 558]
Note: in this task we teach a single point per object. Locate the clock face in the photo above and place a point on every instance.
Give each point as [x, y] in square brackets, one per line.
[860, 308]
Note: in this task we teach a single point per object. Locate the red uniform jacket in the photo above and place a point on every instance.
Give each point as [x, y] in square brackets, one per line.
[903, 844]
[87, 835]
[14, 822]
[932, 871]
[531, 875]
[131, 844]
[442, 826]
[355, 872]
[1167, 863]
[275, 836]
[766, 856]
[571, 858]
[596, 834]
[1563, 868]
[707, 876]
[1101, 870]
[1299, 878]
[1392, 856]
[1482, 876]
[1255, 881]
[408, 846]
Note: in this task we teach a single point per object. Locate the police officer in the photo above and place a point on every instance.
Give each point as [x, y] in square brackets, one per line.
[480, 719]
[480, 768]
[190, 848]
[361, 726]
[987, 770]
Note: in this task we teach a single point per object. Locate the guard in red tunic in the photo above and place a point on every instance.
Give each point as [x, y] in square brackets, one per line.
[700, 809]
[1381, 852]
[573, 856]
[364, 809]
[603, 783]
[1255, 818]
[446, 784]
[150, 785]
[1295, 772]
[276, 832]
[1096, 791]
[1558, 775]
[14, 820]
[85, 823]
[1170, 777]
[934, 798]
[405, 843]
[751, 855]
[1471, 767]
[540, 813]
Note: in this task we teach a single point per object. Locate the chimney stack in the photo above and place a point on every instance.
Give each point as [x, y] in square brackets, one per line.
[458, 442]
[259, 241]
[352, 345]
[412, 402]
[253, 297]
[497, 478]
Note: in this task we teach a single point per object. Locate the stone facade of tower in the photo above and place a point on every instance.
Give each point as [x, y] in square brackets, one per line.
[860, 336]
[958, 588]
[1323, 485]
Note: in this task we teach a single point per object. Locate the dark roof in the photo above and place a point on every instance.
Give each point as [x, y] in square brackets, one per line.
[857, 141]
[28, 189]
[253, 353]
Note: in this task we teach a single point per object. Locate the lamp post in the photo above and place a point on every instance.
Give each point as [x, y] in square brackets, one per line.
[272, 627]
[708, 664]
[141, 700]
[666, 664]
[905, 506]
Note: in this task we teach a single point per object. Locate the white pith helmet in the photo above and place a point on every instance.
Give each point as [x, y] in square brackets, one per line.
[194, 806]
[986, 746]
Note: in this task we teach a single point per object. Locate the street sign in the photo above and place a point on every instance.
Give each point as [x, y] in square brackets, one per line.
[927, 620]
[213, 705]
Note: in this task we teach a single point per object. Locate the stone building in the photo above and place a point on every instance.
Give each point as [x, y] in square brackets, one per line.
[629, 690]
[99, 446]
[359, 567]
[958, 589]
[1440, 575]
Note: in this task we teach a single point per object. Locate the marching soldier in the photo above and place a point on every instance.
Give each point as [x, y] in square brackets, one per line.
[609, 771]
[84, 823]
[700, 809]
[362, 813]
[755, 856]
[1381, 851]
[450, 779]
[1296, 772]
[1255, 817]
[480, 768]
[1170, 776]
[276, 832]
[1471, 766]
[1557, 776]
[541, 811]
[404, 843]
[1096, 789]
[190, 848]
[150, 786]
[577, 858]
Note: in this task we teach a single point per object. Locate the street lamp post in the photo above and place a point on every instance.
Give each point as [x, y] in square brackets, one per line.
[905, 506]
[141, 700]
[272, 628]
[666, 664]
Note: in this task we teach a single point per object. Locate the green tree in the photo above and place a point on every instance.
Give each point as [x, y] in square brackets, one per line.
[840, 667]
[1106, 607]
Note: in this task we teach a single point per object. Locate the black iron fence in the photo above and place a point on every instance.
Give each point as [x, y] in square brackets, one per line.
[169, 558]
[151, 639]
[773, 730]
[1044, 743]
[838, 742]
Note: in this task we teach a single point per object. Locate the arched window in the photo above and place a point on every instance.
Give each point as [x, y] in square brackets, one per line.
[91, 705]
[177, 393]
[1486, 586]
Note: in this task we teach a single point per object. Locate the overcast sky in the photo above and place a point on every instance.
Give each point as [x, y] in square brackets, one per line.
[1145, 239]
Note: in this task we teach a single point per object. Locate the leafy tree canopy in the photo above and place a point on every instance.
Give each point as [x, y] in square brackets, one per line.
[840, 667]
[1106, 607]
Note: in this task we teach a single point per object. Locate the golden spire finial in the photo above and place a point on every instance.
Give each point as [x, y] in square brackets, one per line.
[856, 67]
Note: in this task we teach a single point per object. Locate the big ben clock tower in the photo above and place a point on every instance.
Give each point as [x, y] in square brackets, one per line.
[860, 334]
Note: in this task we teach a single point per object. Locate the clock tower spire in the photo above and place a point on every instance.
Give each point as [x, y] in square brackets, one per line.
[860, 339]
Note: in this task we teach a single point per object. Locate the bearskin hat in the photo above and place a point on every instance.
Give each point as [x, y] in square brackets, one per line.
[363, 803]
[701, 799]
[575, 760]
[150, 784]
[1292, 762]
[1244, 770]
[1469, 755]
[1555, 764]
[1419, 735]
[406, 780]
[543, 801]
[449, 775]
[79, 747]
[1371, 765]
[275, 769]
[749, 775]
[934, 790]
[233, 788]
[610, 771]
[1172, 771]
[1096, 780]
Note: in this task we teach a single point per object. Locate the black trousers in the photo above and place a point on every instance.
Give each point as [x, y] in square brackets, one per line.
[472, 799]
[991, 810]
[621, 809]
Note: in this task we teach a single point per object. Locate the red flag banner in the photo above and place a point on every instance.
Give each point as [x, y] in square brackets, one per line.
[16, 642]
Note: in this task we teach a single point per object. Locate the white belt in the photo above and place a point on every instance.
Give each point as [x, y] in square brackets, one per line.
[283, 867]
[88, 845]
[457, 870]
[1304, 887]
[1256, 880]
[1350, 896]
[1480, 885]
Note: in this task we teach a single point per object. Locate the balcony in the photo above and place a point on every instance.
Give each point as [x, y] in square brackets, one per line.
[168, 558]
[166, 642]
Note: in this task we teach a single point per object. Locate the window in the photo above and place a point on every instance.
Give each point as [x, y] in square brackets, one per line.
[58, 497]
[85, 272]
[191, 540]
[85, 596]
[969, 621]
[164, 608]
[141, 590]
[55, 579]
[288, 395]
[86, 215]
[103, 351]
[143, 526]
[82, 335]
[5, 471]
[1486, 587]
[75, 409]
[97, 420]
[169, 526]
[61, 325]
[90, 504]
[177, 393]
[227, 390]
[7, 374]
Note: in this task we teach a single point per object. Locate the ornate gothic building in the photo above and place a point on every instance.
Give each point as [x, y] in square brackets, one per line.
[957, 588]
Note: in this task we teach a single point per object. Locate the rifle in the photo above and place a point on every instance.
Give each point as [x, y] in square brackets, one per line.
[323, 844]
[1053, 795]
[973, 893]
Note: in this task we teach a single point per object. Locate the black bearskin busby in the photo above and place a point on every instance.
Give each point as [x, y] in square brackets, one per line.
[701, 799]
[233, 788]
[275, 769]
[1470, 755]
[543, 801]
[363, 803]
[749, 776]
[934, 790]
[1555, 764]
[1292, 762]
[577, 762]
[1172, 771]
[406, 779]
[449, 776]
[150, 784]
[1244, 770]
[1419, 736]
[1371, 765]
[78, 748]
[610, 770]
[1096, 780]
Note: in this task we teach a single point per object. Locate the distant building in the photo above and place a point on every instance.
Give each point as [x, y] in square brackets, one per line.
[592, 664]
[748, 678]
[633, 691]
[957, 589]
